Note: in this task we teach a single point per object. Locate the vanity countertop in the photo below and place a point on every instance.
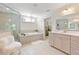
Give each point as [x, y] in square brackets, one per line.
[71, 33]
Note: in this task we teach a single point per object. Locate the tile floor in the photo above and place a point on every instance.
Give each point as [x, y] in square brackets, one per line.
[39, 48]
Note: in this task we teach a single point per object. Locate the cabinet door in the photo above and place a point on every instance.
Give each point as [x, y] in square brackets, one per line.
[65, 43]
[62, 42]
[75, 45]
[57, 41]
[51, 38]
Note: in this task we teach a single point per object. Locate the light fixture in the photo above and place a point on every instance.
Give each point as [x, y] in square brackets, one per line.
[68, 11]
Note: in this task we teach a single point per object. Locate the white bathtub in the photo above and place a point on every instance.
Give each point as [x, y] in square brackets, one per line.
[30, 37]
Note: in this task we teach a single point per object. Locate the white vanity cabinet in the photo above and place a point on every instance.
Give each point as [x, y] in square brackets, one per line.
[75, 45]
[62, 42]
[66, 42]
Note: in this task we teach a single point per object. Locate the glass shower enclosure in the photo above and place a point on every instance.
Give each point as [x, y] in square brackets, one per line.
[10, 20]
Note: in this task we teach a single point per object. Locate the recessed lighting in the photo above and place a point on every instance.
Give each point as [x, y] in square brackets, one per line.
[67, 10]
[7, 8]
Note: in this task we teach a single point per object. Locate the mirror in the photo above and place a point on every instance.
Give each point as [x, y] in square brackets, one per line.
[69, 22]
[61, 24]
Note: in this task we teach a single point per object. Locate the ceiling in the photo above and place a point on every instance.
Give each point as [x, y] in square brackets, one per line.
[74, 10]
[41, 9]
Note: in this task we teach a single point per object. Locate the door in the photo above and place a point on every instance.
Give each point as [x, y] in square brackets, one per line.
[62, 42]
[65, 43]
[47, 26]
[57, 41]
[75, 45]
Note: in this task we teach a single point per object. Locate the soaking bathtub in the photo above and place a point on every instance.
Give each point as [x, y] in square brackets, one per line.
[30, 37]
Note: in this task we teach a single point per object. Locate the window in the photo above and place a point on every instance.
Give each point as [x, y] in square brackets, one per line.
[28, 19]
[33, 19]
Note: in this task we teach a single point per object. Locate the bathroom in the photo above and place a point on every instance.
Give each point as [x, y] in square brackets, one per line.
[24, 30]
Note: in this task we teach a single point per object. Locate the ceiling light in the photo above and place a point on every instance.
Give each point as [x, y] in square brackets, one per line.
[68, 11]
